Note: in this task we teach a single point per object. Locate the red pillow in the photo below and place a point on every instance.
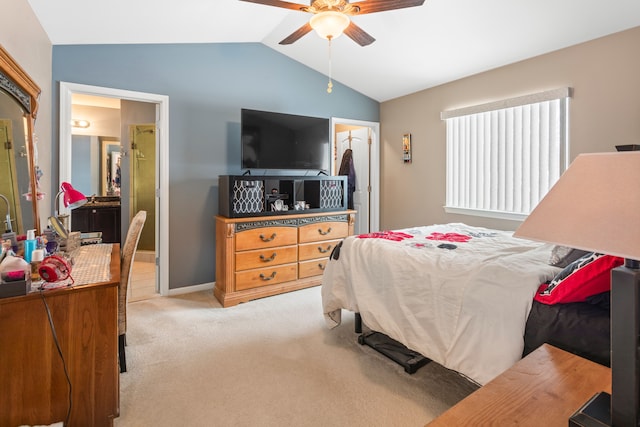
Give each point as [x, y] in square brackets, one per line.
[587, 276]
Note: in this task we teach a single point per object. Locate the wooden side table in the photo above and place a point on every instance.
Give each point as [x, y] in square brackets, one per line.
[543, 389]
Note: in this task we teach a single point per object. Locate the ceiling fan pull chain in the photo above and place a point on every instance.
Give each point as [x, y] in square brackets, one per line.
[330, 85]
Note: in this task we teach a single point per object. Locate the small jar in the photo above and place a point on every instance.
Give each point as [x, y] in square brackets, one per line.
[36, 259]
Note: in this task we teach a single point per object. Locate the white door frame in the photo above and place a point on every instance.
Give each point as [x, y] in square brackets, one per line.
[374, 167]
[162, 176]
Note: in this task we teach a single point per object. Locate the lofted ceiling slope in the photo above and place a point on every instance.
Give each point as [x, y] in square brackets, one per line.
[415, 48]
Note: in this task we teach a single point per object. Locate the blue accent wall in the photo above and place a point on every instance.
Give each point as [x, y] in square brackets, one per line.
[81, 167]
[207, 85]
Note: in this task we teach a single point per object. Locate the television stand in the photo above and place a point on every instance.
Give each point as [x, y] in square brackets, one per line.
[242, 196]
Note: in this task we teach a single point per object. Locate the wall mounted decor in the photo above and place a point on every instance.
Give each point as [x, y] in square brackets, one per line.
[406, 148]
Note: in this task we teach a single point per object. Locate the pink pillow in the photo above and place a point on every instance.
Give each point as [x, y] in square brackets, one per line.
[587, 276]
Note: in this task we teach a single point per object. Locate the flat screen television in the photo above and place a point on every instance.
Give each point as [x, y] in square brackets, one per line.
[284, 141]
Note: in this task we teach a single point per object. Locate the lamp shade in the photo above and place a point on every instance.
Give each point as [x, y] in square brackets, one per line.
[329, 24]
[594, 206]
[72, 198]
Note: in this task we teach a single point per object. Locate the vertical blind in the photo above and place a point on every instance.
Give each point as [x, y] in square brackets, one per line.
[502, 161]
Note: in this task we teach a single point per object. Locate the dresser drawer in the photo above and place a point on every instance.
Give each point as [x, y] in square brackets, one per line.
[266, 276]
[315, 250]
[312, 268]
[266, 237]
[323, 231]
[261, 258]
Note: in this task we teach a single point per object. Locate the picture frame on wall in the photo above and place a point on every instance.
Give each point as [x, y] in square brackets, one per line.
[406, 148]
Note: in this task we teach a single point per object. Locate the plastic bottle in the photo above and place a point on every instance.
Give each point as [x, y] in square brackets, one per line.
[30, 245]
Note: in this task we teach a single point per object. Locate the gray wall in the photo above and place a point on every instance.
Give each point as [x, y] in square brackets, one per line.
[85, 169]
[207, 85]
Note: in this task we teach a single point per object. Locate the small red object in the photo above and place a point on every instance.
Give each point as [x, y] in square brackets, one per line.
[13, 276]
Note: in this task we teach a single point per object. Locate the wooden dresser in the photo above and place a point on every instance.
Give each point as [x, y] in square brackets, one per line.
[262, 256]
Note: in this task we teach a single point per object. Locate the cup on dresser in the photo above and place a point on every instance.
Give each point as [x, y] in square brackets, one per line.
[277, 205]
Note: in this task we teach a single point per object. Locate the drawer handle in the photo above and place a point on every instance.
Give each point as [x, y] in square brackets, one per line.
[265, 278]
[265, 259]
[324, 233]
[321, 266]
[267, 239]
[324, 251]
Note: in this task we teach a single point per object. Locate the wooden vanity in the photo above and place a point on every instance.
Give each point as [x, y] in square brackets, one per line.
[33, 374]
[99, 214]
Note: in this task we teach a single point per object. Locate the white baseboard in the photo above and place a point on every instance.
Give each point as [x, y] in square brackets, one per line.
[194, 288]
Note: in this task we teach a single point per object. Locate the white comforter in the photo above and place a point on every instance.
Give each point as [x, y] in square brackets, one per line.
[464, 308]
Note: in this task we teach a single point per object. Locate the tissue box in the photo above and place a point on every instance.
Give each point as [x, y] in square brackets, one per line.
[14, 289]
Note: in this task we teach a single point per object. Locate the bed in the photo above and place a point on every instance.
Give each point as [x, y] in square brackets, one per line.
[458, 295]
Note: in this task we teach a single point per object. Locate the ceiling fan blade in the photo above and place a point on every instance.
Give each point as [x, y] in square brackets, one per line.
[358, 35]
[306, 28]
[278, 3]
[372, 6]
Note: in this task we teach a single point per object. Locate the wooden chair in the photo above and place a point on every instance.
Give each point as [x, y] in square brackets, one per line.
[126, 266]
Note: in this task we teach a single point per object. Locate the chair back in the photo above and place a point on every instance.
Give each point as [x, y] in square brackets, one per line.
[126, 266]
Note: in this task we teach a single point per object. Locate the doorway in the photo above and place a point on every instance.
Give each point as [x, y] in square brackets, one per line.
[362, 138]
[142, 176]
[159, 189]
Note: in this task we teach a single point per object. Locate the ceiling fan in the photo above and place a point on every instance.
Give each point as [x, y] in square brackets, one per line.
[331, 17]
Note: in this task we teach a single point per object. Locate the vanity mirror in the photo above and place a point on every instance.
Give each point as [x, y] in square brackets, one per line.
[18, 107]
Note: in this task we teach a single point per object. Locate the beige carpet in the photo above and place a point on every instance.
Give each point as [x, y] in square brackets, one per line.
[268, 362]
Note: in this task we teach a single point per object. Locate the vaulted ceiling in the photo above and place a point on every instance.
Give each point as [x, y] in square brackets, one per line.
[415, 48]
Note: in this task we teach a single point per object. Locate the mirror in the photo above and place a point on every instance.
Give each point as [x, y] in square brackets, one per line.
[18, 107]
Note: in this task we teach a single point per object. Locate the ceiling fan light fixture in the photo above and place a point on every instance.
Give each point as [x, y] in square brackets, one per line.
[329, 24]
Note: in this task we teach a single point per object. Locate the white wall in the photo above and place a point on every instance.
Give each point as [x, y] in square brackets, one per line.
[23, 37]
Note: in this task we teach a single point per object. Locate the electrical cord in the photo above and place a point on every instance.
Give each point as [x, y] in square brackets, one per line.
[64, 363]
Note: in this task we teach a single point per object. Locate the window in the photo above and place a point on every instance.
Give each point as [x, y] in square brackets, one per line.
[503, 157]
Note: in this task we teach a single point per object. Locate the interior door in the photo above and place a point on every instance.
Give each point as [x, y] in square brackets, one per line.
[358, 140]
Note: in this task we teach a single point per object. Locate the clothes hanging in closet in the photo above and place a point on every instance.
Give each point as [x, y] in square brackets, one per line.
[347, 168]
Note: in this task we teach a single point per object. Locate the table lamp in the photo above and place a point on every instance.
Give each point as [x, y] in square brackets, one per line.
[72, 199]
[595, 206]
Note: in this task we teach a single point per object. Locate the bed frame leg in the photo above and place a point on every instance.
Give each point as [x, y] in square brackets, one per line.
[358, 323]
